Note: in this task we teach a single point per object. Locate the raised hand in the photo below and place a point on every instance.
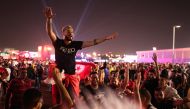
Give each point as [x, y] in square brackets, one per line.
[126, 67]
[49, 12]
[138, 81]
[112, 36]
[154, 57]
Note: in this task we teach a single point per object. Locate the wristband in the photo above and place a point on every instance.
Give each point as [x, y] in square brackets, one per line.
[95, 42]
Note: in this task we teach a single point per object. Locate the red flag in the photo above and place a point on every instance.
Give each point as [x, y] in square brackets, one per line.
[82, 69]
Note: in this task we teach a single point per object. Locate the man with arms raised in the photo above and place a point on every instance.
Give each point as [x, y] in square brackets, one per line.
[66, 49]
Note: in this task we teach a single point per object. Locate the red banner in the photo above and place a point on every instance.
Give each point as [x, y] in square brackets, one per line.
[82, 69]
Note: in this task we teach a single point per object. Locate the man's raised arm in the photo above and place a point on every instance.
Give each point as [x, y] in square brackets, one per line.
[154, 57]
[98, 41]
[49, 27]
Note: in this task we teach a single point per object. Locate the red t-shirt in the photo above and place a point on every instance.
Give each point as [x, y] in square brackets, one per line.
[17, 88]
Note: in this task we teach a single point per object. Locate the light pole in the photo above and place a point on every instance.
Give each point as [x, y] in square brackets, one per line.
[173, 54]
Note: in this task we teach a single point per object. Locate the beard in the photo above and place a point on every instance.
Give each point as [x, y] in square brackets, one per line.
[69, 38]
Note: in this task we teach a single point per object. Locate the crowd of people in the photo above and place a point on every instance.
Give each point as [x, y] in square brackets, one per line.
[108, 85]
[16, 76]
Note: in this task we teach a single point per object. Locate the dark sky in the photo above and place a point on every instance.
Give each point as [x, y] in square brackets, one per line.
[141, 24]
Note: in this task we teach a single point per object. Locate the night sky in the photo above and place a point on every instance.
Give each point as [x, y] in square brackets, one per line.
[141, 24]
